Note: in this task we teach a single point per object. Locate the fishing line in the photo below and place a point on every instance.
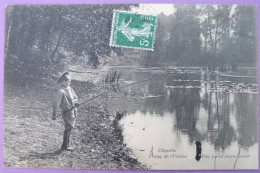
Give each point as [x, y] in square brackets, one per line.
[162, 76]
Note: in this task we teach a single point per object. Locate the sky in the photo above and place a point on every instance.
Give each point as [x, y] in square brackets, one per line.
[155, 9]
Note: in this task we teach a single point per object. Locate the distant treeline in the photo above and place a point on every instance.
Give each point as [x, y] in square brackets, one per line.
[43, 39]
[206, 35]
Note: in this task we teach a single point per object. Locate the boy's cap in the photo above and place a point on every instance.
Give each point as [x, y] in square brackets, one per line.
[63, 77]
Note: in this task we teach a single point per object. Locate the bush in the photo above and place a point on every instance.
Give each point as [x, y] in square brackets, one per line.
[33, 65]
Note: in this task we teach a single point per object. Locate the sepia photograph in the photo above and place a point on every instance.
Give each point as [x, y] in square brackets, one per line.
[131, 87]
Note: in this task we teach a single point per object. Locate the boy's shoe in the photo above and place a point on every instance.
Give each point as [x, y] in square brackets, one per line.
[66, 141]
[69, 148]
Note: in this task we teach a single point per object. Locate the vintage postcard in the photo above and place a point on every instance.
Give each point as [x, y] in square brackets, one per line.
[130, 86]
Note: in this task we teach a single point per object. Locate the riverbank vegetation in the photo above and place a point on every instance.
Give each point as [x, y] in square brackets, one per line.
[42, 41]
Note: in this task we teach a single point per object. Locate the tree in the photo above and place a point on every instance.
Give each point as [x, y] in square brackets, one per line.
[245, 34]
[216, 30]
[41, 39]
[184, 42]
[30, 46]
[90, 26]
[158, 56]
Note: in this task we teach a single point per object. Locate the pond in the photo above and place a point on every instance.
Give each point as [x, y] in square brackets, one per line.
[185, 107]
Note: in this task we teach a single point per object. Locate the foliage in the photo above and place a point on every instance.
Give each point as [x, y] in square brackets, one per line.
[38, 38]
[245, 34]
[42, 40]
[185, 35]
[207, 35]
[113, 77]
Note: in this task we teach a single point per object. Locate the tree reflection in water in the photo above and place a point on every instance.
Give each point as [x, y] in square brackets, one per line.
[225, 117]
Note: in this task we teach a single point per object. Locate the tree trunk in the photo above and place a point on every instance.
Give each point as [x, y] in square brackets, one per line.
[210, 32]
[8, 38]
[216, 32]
[57, 45]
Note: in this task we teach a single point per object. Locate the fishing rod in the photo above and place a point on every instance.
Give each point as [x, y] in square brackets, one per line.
[138, 82]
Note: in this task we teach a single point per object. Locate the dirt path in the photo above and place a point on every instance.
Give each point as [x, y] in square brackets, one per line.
[32, 139]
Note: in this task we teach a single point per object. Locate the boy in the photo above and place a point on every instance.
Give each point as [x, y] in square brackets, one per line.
[67, 101]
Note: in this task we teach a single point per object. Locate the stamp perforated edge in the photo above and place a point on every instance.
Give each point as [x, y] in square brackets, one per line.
[112, 29]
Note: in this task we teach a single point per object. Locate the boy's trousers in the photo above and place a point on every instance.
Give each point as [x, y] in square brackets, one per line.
[69, 118]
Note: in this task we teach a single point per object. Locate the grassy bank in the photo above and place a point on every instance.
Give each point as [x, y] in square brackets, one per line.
[32, 139]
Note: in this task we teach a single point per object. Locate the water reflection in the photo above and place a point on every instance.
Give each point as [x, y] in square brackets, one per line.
[222, 122]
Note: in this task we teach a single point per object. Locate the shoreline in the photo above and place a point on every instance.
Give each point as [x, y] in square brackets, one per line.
[32, 139]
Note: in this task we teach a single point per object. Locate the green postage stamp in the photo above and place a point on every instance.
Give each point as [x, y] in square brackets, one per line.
[133, 30]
